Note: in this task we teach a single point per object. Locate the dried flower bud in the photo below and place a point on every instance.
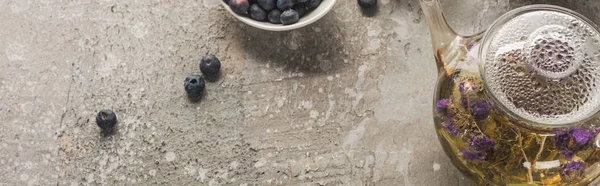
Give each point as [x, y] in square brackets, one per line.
[442, 106]
[480, 110]
[573, 140]
[449, 125]
[481, 143]
[473, 155]
[572, 171]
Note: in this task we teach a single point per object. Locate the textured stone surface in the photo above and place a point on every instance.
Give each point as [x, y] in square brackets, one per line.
[344, 101]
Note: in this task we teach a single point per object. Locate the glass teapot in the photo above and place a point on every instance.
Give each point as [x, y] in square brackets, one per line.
[518, 104]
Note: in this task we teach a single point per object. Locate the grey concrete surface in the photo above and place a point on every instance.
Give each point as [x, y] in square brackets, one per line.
[344, 101]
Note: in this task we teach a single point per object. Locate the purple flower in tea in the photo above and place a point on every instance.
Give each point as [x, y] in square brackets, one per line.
[571, 141]
[567, 153]
[572, 171]
[449, 125]
[581, 136]
[473, 155]
[478, 147]
[463, 95]
[442, 106]
[470, 45]
[481, 143]
[464, 101]
[561, 139]
[574, 137]
[480, 110]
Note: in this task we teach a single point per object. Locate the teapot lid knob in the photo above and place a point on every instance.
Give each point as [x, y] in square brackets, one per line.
[542, 64]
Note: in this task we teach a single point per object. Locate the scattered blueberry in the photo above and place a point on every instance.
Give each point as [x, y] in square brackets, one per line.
[312, 4]
[367, 3]
[194, 86]
[267, 5]
[285, 4]
[106, 119]
[210, 65]
[300, 8]
[274, 16]
[257, 13]
[239, 6]
[289, 17]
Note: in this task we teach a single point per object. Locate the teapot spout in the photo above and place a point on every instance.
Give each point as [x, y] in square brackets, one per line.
[442, 35]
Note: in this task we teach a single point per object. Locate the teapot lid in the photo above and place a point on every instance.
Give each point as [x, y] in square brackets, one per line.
[541, 63]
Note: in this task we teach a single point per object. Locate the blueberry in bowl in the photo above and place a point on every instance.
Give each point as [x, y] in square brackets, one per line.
[278, 15]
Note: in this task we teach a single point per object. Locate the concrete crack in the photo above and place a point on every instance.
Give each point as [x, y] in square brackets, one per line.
[62, 118]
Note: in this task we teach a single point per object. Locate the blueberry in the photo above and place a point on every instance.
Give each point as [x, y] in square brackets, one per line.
[289, 17]
[267, 5]
[312, 4]
[285, 4]
[274, 16]
[300, 8]
[106, 119]
[210, 65]
[194, 86]
[257, 13]
[367, 3]
[239, 6]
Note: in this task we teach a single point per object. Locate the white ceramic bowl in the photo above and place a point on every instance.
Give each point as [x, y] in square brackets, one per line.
[311, 17]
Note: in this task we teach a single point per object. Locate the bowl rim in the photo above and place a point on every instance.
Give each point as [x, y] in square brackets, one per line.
[279, 27]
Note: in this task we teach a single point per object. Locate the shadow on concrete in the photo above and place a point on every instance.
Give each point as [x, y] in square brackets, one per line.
[109, 132]
[313, 49]
[370, 12]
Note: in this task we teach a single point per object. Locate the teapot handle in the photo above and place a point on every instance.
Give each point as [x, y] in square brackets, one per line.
[441, 33]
